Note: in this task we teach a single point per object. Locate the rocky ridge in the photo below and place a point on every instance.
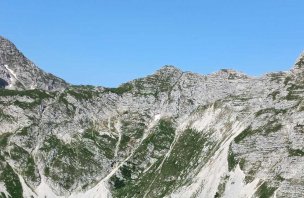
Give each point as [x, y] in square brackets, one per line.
[170, 134]
[17, 72]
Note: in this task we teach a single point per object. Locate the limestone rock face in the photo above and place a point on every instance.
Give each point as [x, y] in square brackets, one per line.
[17, 72]
[170, 134]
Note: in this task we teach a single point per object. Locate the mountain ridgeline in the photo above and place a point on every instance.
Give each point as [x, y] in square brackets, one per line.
[171, 134]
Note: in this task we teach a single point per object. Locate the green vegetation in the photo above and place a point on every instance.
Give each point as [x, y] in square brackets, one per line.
[52, 142]
[146, 87]
[270, 111]
[155, 173]
[82, 92]
[265, 191]
[25, 163]
[25, 105]
[132, 129]
[287, 79]
[272, 126]
[70, 108]
[301, 106]
[155, 146]
[247, 132]
[28, 141]
[183, 160]
[232, 161]
[221, 187]
[249, 178]
[124, 88]
[3, 116]
[250, 175]
[151, 85]
[278, 77]
[242, 163]
[293, 91]
[105, 143]
[11, 180]
[126, 171]
[279, 178]
[46, 171]
[72, 162]
[4, 140]
[37, 95]
[24, 131]
[295, 152]
[239, 98]
[161, 138]
[274, 94]
[124, 141]
[291, 96]
[232, 76]
[295, 87]
[187, 149]
[87, 87]
[203, 108]
[154, 85]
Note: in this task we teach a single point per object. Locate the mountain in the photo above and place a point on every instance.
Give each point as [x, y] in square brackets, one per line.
[17, 72]
[171, 134]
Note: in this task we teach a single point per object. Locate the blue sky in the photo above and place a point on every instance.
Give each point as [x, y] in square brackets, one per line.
[108, 42]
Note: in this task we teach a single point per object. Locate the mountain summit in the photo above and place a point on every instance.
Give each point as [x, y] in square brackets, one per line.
[171, 134]
[299, 65]
[17, 72]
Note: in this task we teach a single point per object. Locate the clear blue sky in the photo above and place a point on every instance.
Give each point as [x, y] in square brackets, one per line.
[107, 42]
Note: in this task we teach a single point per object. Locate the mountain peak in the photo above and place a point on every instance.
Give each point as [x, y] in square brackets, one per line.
[4, 39]
[7, 48]
[213, 129]
[299, 64]
[169, 69]
[300, 61]
[17, 72]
